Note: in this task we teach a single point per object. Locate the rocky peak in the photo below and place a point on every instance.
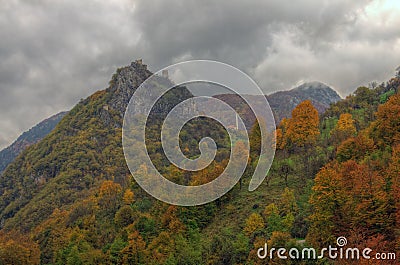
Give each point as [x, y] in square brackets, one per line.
[124, 83]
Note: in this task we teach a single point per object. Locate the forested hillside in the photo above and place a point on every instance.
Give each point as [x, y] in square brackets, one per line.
[70, 198]
[32, 136]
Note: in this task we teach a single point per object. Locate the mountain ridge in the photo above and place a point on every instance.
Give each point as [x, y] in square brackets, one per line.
[321, 96]
[28, 138]
[283, 102]
[75, 198]
[122, 83]
[77, 156]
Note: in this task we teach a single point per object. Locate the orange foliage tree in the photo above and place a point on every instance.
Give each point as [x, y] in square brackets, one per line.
[349, 197]
[387, 126]
[134, 252]
[109, 194]
[303, 127]
[280, 134]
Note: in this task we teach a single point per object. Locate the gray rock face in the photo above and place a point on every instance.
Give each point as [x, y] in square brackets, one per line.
[123, 85]
[318, 92]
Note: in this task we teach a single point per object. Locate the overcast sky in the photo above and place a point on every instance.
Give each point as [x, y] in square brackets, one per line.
[53, 53]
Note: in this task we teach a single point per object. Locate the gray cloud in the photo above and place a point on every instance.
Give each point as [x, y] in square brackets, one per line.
[52, 53]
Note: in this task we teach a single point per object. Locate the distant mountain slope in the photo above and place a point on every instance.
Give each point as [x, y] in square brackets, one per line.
[321, 95]
[283, 102]
[32, 136]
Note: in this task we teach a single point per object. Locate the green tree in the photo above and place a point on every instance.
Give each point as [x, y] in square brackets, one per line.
[273, 219]
[124, 216]
[115, 252]
[74, 257]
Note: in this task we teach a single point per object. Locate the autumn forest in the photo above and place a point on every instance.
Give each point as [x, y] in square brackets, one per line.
[70, 198]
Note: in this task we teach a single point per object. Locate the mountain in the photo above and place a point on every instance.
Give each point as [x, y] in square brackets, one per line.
[83, 150]
[283, 102]
[82, 160]
[70, 199]
[321, 96]
[28, 138]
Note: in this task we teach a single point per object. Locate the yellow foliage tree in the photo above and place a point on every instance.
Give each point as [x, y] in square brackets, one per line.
[344, 129]
[129, 197]
[18, 249]
[346, 123]
[271, 209]
[386, 129]
[288, 202]
[160, 248]
[254, 223]
[170, 220]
